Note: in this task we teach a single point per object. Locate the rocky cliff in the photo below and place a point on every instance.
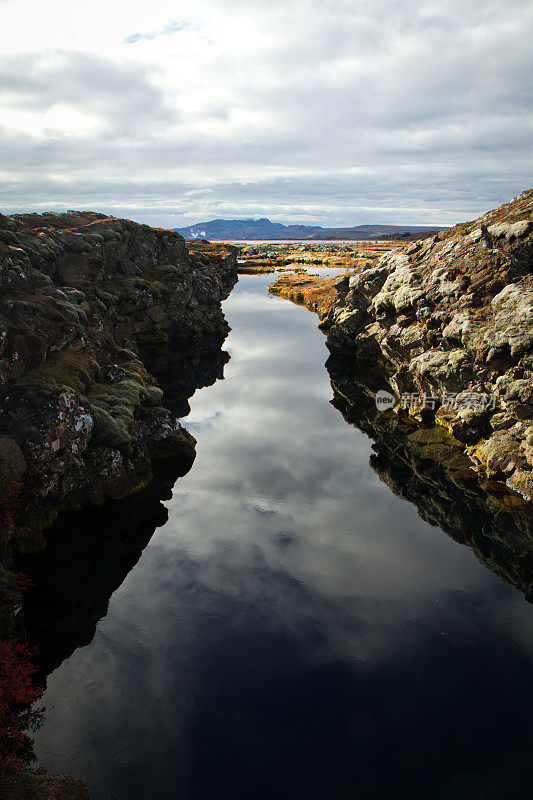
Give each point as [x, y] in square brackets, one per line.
[449, 322]
[87, 303]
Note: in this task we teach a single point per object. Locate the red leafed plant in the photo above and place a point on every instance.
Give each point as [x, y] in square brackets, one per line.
[17, 715]
[23, 582]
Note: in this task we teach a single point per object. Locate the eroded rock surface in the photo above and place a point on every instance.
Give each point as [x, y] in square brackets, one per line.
[450, 320]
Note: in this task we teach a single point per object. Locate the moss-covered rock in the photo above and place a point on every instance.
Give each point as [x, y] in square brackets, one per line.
[85, 301]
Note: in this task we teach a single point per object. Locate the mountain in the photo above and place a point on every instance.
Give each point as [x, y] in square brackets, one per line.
[233, 230]
[238, 229]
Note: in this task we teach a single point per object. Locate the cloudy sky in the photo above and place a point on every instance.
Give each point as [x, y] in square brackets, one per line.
[332, 112]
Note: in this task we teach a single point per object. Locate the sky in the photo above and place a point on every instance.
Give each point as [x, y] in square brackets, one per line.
[319, 112]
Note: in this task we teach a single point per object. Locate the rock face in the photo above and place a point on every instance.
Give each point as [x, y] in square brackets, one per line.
[86, 302]
[449, 320]
[89, 553]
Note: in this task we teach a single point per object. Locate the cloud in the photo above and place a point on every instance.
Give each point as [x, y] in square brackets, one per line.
[330, 112]
[113, 93]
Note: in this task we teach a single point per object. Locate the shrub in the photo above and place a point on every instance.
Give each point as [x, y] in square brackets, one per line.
[17, 715]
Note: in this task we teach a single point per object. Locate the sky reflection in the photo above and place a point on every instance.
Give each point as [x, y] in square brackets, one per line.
[295, 629]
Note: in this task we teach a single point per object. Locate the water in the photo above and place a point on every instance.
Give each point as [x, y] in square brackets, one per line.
[295, 630]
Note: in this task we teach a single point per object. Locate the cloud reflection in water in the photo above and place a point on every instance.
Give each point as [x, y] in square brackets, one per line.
[295, 629]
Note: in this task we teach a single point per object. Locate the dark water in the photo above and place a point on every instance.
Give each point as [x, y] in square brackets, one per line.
[294, 630]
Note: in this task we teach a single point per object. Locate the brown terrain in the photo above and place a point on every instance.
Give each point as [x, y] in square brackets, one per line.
[267, 257]
[315, 292]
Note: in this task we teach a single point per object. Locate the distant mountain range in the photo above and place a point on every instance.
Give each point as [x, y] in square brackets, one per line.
[241, 229]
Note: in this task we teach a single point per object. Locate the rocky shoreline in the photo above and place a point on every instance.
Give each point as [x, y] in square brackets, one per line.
[446, 324]
[449, 322]
[106, 328]
[444, 328]
[89, 305]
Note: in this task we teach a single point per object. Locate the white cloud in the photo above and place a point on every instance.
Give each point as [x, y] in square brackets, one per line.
[337, 112]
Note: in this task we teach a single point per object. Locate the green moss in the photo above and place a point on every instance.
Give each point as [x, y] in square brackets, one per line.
[108, 430]
[115, 405]
[153, 395]
[179, 444]
[66, 368]
[108, 234]
[126, 287]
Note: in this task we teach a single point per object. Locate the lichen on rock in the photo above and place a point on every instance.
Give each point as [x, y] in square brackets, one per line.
[450, 315]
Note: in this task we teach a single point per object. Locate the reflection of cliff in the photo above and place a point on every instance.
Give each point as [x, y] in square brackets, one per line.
[182, 370]
[87, 557]
[426, 467]
[88, 554]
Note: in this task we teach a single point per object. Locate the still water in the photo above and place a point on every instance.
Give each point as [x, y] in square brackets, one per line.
[295, 630]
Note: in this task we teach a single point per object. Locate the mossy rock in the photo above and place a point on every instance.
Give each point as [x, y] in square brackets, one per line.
[109, 431]
[153, 395]
[155, 337]
[179, 444]
[12, 461]
[8, 237]
[17, 786]
[435, 435]
[68, 368]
